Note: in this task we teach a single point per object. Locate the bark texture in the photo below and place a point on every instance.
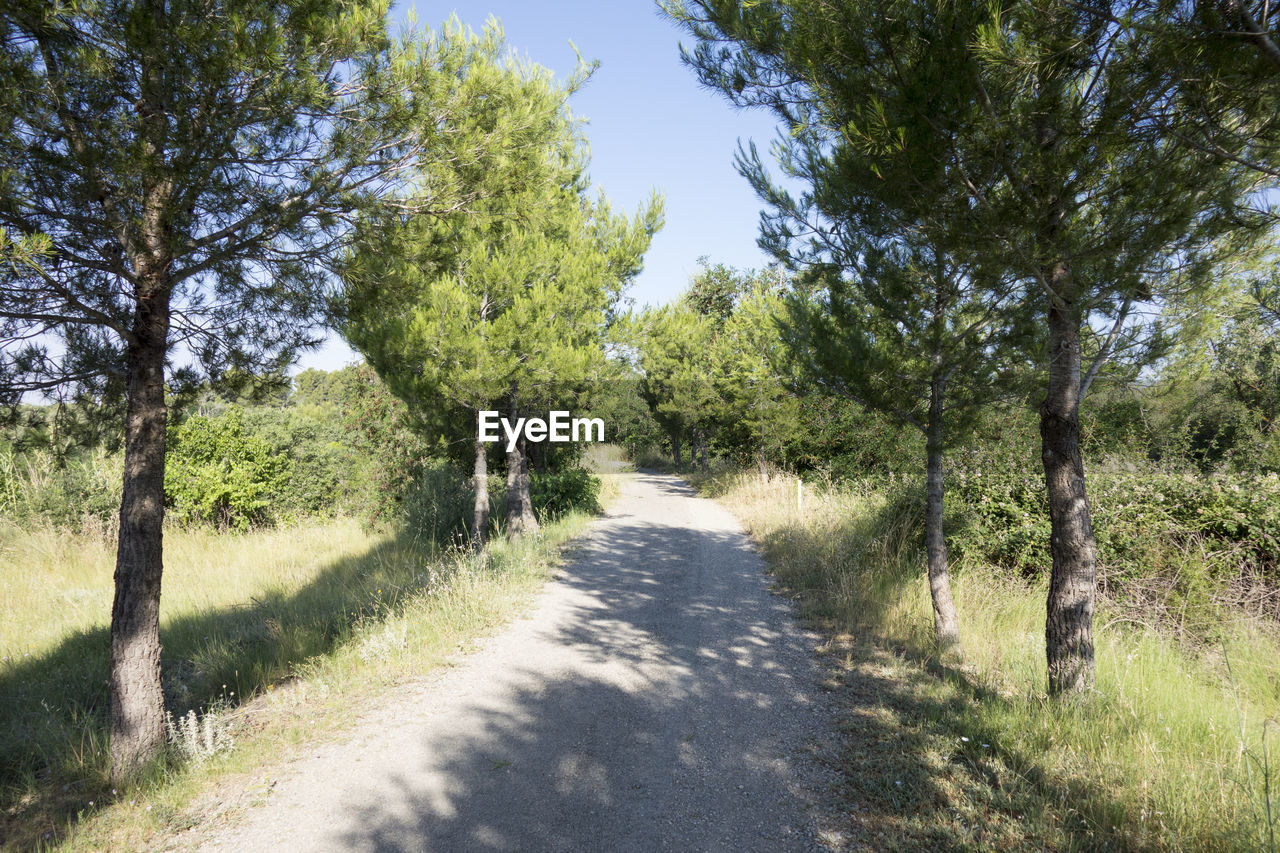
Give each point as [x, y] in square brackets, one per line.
[480, 482]
[946, 622]
[675, 448]
[520, 517]
[1069, 620]
[137, 702]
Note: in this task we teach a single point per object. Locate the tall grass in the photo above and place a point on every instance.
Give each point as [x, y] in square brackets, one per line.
[1175, 750]
[273, 634]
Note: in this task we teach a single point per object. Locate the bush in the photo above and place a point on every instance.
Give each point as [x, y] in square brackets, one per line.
[1168, 534]
[558, 492]
[69, 494]
[217, 472]
[439, 502]
[322, 471]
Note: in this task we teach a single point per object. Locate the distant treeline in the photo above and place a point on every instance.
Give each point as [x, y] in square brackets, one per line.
[265, 451]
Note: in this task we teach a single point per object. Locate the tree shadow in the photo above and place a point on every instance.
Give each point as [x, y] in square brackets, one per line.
[922, 770]
[54, 705]
[674, 705]
[689, 681]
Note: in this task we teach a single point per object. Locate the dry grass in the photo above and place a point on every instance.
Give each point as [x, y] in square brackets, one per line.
[280, 633]
[1175, 750]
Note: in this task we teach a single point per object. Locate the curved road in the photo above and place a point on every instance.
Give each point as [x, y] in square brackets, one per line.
[657, 697]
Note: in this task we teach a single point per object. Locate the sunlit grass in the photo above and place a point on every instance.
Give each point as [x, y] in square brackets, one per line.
[53, 582]
[281, 632]
[1176, 749]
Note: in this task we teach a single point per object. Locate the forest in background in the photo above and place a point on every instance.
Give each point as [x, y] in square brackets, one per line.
[270, 452]
[1182, 454]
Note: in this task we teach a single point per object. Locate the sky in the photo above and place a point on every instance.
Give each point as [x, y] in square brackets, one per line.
[650, 125]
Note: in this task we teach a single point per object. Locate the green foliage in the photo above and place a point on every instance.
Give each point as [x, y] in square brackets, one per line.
[323, 471]
[71, 494]
[557, 493]
[503, 305]
[218, 473]
[437, 503]
[842, 440]
[387, 444]
[1182, 541]
[714, 367]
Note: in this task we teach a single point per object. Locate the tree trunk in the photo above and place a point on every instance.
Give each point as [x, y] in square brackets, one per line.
[946, 623]
[480, 481]
[520, 517]
[675, 448]
[530, 522]
[702, 450]
[1069, 622]
[137, 702]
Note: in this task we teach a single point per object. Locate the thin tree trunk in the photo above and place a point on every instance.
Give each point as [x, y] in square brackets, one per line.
[526, 498]
[538, 456]
[480, 481]
[946, 623]
[1069, 621]
[137, 701]
[520, 517]
[702, 448]
[675, 447]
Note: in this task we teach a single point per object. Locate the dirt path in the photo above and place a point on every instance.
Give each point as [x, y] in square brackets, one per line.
[656, 697]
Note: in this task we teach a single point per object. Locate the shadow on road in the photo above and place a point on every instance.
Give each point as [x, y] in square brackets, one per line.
[678, 727]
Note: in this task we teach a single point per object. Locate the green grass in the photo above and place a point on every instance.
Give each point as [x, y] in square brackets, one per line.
[273, 636]
[1176, 749]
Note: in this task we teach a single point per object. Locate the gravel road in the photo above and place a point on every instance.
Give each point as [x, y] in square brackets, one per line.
[656, 697]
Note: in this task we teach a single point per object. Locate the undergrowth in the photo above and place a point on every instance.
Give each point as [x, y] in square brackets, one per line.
[1174, 750]
[270, 637]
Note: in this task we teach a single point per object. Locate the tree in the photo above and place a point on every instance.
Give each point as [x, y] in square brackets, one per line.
[1036, 111]
[176, 177]
[503, 306]
[676, 360]
[907, 331]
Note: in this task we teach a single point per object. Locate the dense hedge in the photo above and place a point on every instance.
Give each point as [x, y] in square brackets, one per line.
[1170, 532]
[558, 492]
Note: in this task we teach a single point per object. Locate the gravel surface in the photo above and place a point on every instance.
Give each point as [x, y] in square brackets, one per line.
[656, 697]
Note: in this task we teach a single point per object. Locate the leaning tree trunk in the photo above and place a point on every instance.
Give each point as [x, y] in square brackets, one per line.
[480, 481]
[946, 624]
[1069, 622]
[137, 702]
[520, 517]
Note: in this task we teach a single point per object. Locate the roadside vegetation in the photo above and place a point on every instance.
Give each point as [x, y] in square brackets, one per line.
[1020, 345]
[962, 745]
[284, 611]
[1175, 748]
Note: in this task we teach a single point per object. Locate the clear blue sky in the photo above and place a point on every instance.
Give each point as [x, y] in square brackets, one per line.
[650, 125]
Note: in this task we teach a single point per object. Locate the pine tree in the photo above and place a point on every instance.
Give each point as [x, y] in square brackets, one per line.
[501, 307]
[1027, 126]
[175, 181]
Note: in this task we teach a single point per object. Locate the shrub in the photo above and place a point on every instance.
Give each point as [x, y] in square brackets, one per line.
[558, 492]
[439, 502]
[70, 494]
[217, 472]
[1169, 534]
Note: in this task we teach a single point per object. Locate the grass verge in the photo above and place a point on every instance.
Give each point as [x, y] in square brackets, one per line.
[1176, 749]
[271, 639]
